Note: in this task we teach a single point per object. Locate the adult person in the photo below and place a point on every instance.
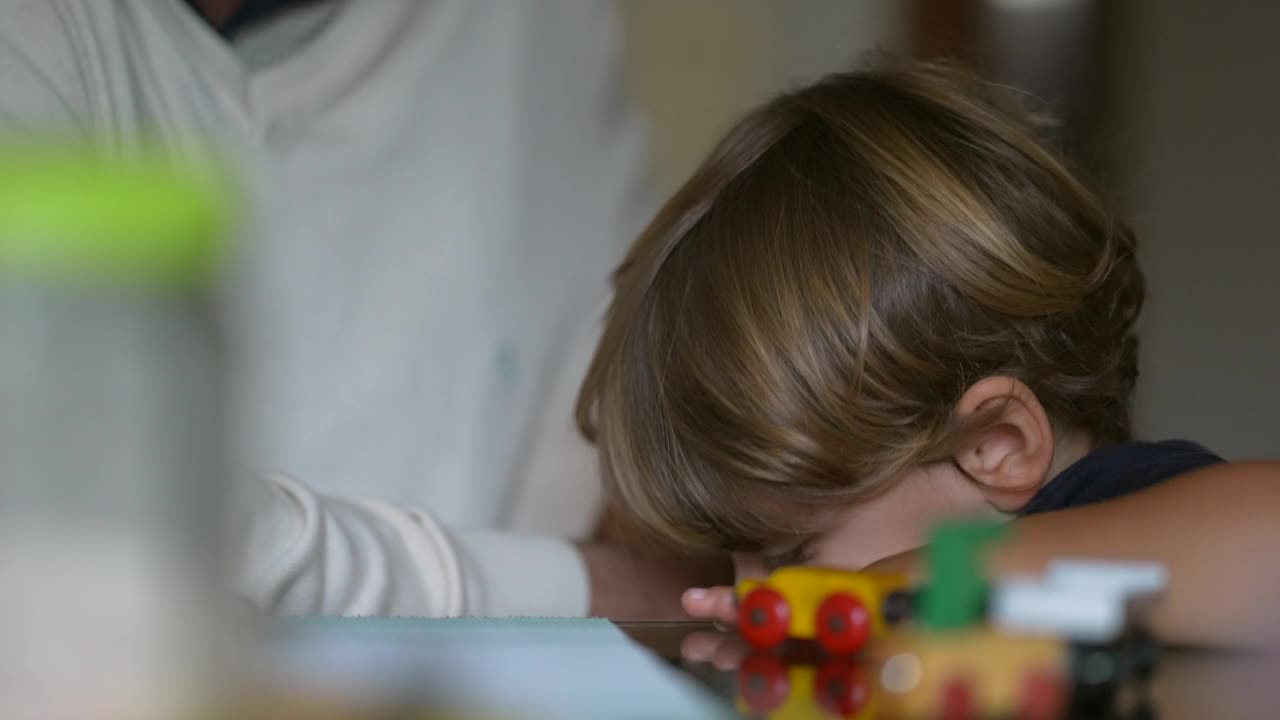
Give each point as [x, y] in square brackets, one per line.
[437, 190]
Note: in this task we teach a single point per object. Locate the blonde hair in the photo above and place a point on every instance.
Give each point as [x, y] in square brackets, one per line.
[794, 328]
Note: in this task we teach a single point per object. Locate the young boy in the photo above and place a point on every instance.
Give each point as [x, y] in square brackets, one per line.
[881, 302]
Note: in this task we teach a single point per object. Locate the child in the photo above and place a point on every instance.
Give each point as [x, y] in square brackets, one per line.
[881, 302]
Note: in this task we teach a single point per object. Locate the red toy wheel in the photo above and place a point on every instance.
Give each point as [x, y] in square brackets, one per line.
[958, 702]
[764, 617]
[763, 683]
[844, 624]
[1043, 695]
[842, 688]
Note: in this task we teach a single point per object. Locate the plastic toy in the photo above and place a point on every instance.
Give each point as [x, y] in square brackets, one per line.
[837, 688]
[1091, 606]
[1053, 645]
[958, 675]
[1030, 647]
[973, 673]
[841, 610]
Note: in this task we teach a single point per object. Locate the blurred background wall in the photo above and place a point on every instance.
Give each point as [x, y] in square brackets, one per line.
[1171, 104]
[697, 65]
[1201, 174]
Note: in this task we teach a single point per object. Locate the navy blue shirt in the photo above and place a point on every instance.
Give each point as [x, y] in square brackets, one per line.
[1116, 470]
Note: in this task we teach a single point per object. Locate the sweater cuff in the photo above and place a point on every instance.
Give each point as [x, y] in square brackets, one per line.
[509, 574]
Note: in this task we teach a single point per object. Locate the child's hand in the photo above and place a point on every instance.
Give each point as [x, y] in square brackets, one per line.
[723, 651]
[716, 603]
[719, 604]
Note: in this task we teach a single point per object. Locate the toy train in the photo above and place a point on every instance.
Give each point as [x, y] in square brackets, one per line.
[972, 674]
[1029, 647]
[838, 688]
[841, 610]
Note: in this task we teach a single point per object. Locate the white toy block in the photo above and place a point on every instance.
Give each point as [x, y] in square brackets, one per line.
[1127, 578]
[1030, 605]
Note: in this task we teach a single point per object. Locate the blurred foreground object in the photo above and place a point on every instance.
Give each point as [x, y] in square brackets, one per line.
[112, 452]
[526, 668]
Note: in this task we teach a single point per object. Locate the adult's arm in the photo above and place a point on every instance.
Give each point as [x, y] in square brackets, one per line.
[305, 553]
[300, 551]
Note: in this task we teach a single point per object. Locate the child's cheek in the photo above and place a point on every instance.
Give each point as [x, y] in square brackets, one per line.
[748, 566]
[832, 552]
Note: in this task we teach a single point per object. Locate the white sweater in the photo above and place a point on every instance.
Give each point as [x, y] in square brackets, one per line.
[439, 189]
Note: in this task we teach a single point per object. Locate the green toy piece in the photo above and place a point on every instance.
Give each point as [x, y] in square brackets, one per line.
[956, 592]
[67, 213]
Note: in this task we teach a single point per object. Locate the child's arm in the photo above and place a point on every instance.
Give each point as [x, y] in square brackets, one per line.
[1216, 529]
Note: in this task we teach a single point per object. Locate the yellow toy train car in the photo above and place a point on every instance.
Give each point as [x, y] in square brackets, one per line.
[973, 672]
[839, 609]
[769, 689]
[968, 674]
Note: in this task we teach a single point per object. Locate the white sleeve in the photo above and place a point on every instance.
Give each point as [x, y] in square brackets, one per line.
[306, 553]
[334, 555]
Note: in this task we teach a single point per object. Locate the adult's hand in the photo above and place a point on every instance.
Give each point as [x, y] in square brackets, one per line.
[634, 579]
[632, 583]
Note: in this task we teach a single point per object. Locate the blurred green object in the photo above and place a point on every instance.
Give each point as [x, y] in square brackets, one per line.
[67, 213]
[956, 593]
[114, 431]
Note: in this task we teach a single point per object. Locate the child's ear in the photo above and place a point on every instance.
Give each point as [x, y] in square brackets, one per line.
[1011, 459]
